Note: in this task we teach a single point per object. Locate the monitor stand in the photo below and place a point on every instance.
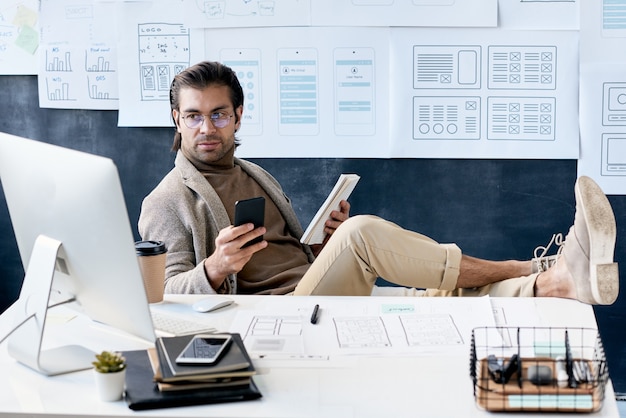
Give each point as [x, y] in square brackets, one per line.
[29, 318]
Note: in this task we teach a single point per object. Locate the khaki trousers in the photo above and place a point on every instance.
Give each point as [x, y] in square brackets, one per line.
[366, 247]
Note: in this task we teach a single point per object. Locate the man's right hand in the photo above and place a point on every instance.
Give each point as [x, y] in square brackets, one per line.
[228, 257]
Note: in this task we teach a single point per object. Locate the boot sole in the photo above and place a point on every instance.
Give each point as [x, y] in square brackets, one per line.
[600, 222]
[605, 286]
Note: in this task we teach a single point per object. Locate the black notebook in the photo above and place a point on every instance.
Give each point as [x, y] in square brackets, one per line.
[143, 393]
[234, 363]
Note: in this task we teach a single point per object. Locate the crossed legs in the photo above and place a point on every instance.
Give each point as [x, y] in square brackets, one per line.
[367, 247]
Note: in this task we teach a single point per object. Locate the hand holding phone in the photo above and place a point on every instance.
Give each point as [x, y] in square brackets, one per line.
[204, 349]
[250, 211]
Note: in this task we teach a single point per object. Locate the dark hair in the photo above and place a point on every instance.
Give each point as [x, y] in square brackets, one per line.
[200, 76]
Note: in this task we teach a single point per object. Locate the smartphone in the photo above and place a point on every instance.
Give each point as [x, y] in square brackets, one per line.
[204, 349]
[298, 112]
[246, 63]
[250, 211]
[354, 91]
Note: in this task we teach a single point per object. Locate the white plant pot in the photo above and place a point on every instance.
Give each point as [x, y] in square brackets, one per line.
[110, 386]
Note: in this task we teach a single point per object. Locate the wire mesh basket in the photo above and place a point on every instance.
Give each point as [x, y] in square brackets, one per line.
[547, 369]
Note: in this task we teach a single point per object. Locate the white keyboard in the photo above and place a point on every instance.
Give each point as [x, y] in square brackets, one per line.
[171, 325]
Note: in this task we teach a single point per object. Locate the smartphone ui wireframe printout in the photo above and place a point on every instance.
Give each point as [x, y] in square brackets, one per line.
[354, 91]
[298, 111]
[246, 63]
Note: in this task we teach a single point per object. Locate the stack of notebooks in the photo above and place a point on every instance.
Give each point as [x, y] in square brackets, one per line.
[155, 380]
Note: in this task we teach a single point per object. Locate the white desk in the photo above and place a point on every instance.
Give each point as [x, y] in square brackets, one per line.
[356, 386]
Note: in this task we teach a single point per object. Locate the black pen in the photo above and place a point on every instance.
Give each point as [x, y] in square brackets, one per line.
[571, 379]
[315, 314]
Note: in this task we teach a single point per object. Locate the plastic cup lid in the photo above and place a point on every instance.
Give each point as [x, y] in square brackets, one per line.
[149, 247]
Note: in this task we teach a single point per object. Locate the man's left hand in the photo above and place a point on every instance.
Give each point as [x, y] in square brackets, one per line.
[336, 218]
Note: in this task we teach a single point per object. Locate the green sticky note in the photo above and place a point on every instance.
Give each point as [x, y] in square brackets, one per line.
[398, 308]
[28, 39]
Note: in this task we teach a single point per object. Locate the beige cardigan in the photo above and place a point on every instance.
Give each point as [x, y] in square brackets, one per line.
[186, 213]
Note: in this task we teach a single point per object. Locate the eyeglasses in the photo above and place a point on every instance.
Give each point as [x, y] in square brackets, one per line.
[218, 119]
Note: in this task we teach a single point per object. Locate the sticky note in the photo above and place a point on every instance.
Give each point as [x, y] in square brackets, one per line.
[398, 308]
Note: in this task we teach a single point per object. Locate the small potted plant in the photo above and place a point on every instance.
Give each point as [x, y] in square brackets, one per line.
[110, 374]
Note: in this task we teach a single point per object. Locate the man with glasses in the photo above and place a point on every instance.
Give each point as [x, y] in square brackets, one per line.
[192, 211]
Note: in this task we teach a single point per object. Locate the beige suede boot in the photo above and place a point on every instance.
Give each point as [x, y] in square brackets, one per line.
[542, 262]
[589, 246]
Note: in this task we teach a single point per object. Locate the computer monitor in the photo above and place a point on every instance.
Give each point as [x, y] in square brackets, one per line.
[76, 244]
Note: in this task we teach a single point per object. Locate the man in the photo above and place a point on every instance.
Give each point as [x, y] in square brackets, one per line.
[192, 211]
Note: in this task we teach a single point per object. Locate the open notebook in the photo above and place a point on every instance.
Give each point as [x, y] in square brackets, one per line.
[314, 233]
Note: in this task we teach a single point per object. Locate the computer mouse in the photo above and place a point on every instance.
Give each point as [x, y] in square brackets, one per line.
[211, 303]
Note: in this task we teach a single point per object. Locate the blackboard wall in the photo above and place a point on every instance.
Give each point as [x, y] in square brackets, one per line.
[495, 209]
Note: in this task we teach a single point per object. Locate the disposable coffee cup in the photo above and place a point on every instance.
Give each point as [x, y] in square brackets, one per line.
[151, 256]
